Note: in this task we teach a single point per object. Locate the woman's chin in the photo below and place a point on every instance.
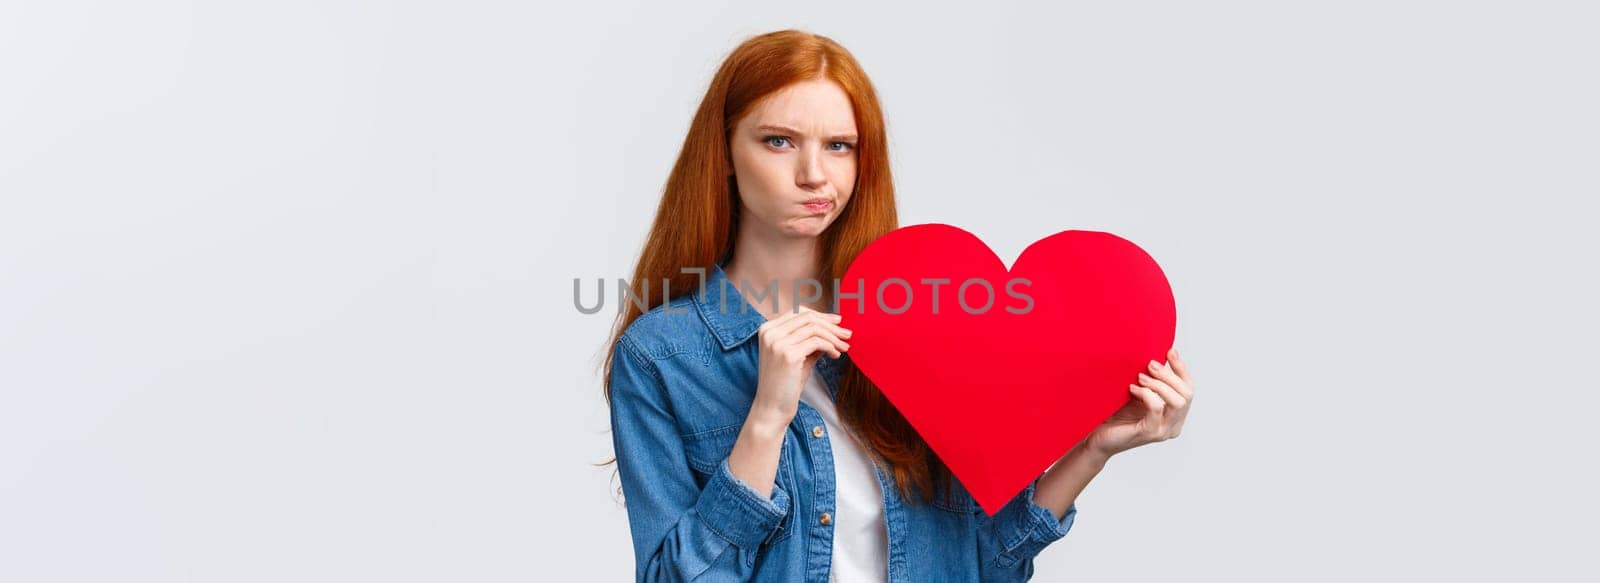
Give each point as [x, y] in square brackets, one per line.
[806, 229]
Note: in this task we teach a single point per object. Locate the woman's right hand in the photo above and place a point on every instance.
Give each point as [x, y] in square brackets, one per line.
[790, 346]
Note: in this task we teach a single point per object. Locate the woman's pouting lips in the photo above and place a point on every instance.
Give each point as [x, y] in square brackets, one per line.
[818, 205]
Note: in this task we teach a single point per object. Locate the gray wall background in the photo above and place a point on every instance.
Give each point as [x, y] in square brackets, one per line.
[285, 288]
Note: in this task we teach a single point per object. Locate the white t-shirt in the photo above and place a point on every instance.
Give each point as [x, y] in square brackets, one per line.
[860, 538]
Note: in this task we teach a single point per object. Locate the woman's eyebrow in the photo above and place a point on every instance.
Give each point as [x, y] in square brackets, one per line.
[792, 131]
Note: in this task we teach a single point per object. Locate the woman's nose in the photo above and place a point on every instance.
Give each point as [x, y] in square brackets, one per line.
[811, 173]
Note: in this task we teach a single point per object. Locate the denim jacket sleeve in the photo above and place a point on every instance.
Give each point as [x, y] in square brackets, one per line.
[1009, 540]
[680, 530]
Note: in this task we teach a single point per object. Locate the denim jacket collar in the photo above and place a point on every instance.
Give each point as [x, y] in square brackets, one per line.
[734, 321]
[731, 319]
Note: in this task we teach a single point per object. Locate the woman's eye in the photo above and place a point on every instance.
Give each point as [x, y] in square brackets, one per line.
[770, 139]
[847, 145]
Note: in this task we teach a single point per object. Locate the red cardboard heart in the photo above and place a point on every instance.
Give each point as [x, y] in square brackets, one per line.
[1002, 391]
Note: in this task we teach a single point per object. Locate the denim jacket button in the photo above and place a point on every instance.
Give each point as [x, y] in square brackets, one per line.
[825, 519]
[817, 432]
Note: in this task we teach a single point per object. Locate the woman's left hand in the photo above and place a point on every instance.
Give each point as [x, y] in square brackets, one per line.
[1156, 413]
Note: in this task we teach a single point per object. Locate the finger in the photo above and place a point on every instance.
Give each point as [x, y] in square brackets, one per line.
[808, 344]
[796, 321]
[1178, 366]
[792, 320]
[817, 344]
[1165, 373]
[1154, 406]
[838, 330]
[829, 320]
[822, 331]
[1175, 401]
[778, 322]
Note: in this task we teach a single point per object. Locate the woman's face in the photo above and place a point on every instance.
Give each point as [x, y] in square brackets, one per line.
[794, 159]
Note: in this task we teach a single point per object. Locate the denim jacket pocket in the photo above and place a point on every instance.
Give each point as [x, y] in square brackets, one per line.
[707, 449]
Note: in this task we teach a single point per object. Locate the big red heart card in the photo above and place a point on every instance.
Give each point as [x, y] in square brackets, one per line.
[1003, 371]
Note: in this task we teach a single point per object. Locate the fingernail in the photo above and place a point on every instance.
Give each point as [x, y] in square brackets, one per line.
[1154, 366]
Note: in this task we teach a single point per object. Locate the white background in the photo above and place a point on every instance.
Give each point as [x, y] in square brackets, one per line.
[285, 287]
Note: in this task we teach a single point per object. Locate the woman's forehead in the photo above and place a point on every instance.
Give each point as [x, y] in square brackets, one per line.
[813, 108]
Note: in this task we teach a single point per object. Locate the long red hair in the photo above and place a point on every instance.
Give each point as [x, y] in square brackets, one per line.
[698, 217]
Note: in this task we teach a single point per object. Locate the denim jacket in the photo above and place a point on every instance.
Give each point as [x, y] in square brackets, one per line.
[683, 379]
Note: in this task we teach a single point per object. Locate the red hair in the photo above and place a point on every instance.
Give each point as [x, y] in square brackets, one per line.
[698, 217]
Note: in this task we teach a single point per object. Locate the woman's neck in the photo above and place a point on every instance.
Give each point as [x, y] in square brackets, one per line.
[765, 265]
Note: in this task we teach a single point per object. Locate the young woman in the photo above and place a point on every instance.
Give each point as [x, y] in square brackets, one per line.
[748, 446]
